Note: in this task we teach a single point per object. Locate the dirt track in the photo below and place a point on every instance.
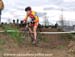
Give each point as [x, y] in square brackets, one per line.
[50, 44]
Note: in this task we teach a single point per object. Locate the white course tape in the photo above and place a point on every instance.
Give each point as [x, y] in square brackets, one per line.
[41, 32]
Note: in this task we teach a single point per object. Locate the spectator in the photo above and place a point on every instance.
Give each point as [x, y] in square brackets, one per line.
[1, 8]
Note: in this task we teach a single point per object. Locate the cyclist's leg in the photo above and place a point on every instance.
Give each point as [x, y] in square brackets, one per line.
[35, 32]
[31, 33]
[30, 30]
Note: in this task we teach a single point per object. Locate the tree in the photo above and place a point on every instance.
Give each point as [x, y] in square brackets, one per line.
[17, 21]
[13, 21]
[1, 8]
[56, 25]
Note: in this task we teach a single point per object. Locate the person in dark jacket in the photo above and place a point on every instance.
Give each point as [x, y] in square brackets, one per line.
[1, 8]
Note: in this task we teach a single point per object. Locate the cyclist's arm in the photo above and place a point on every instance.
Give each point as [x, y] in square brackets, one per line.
[25, 19]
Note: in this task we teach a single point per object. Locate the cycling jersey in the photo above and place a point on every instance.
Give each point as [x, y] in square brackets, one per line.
[33, 16]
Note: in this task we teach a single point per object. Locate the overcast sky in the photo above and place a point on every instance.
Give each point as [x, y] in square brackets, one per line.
[15, 8]
[63, 3]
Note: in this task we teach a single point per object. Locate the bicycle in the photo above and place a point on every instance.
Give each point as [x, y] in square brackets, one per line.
[27, 35]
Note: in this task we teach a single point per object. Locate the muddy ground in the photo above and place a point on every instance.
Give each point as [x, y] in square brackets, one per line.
[53, 45]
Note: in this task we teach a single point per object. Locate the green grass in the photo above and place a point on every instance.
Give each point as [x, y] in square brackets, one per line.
[71, 36]
[60, 46]
[68, 37]
[15, 35]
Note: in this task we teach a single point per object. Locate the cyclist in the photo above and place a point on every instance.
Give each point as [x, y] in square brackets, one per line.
[33, 24]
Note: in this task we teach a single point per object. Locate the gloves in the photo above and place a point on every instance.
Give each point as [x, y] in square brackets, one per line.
[24, 21]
